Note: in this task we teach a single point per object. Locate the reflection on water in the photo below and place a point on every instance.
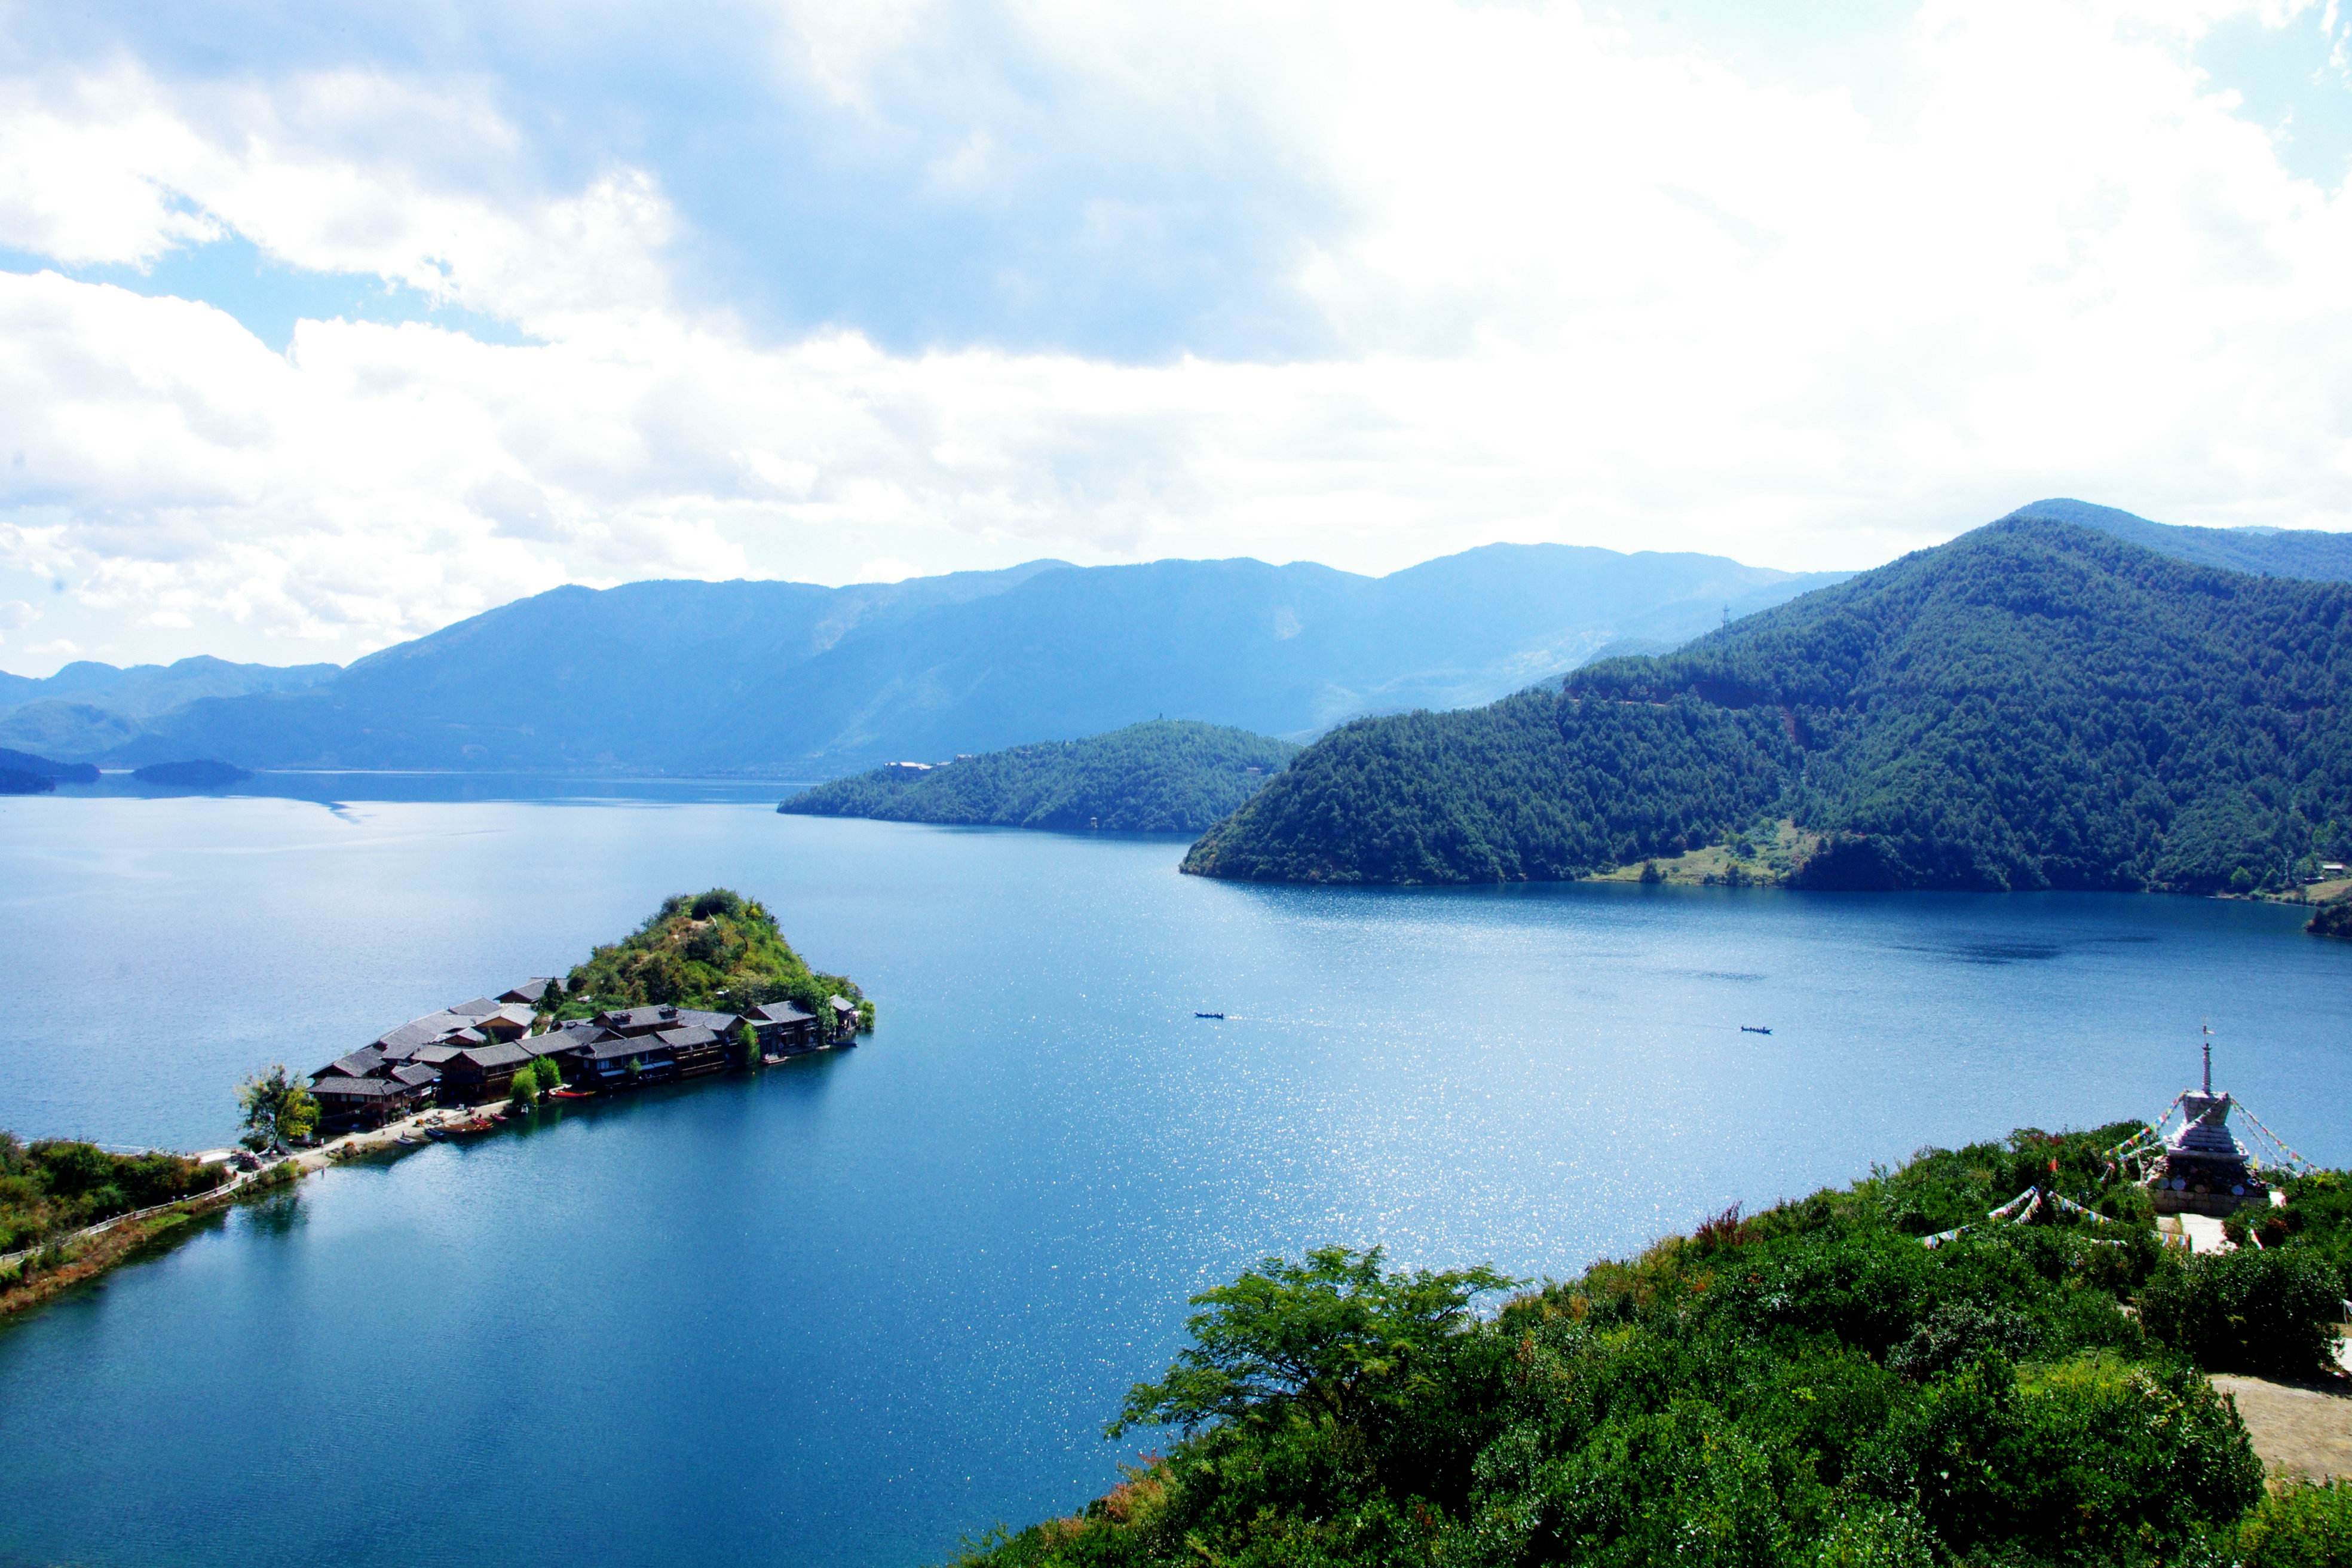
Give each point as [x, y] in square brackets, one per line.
[849, 1308]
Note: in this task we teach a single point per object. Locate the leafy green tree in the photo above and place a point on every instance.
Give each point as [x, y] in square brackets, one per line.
[523, 1089]
[279, 1109]
[747, 1042]
[1337, 1336]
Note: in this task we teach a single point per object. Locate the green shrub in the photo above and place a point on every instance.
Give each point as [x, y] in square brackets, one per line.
[2301, 1525]
[2269, 1313]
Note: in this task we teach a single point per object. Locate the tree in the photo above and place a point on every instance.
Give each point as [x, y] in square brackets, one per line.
[748, 1042]
[278, 1110]
[524, 1089]
[1337, 1336]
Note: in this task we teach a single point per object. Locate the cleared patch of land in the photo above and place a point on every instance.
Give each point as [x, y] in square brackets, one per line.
[1763, 857]
[2298, 1428]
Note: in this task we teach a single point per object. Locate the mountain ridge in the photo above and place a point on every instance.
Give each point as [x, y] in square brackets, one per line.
[2033, 704]
[799, 681]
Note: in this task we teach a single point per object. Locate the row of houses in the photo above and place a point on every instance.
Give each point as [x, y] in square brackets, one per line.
[471, 1052]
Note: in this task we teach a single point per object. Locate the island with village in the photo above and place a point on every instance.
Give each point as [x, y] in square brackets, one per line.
[708, 984]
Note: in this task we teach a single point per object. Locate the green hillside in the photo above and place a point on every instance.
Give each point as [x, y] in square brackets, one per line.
[1809, 1387]
[1166, 776]
[716, 949]
[2033, 705]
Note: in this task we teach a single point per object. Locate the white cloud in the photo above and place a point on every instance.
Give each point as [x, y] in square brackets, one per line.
[1585, 291]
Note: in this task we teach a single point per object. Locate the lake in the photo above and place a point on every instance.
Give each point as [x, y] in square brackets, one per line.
[850, 1308]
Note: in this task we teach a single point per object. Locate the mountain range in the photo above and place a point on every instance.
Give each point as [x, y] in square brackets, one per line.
[803, 681]
[2033, 705]
[87, 710]
[796, 680]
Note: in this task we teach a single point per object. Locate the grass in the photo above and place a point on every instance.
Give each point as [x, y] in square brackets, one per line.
[1761, 857]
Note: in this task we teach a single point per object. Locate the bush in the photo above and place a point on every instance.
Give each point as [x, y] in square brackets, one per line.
[2268, 1313]
[2301, 1525]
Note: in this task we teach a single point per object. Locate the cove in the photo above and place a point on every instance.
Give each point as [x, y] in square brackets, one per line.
[853, 1308]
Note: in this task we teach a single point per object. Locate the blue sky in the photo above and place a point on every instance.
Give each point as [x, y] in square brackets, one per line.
[327, 326]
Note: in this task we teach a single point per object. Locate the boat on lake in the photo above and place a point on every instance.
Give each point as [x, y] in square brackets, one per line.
[1755, 1029]
[1208, 1015]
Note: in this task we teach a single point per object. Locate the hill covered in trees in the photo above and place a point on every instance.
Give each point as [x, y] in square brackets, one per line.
[1810, 1386]
[716, 950]
[2033, 705]
[1164, 776]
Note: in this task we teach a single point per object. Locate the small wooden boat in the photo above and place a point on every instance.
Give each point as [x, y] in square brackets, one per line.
[1755, 1029]
[571, 1094]
[1208, 1015]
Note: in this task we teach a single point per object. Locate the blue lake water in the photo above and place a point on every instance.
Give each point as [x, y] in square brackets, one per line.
[851, 1308]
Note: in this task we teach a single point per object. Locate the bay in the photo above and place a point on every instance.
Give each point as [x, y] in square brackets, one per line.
[849, 1308]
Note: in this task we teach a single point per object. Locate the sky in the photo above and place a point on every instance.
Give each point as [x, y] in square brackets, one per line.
[321, 326]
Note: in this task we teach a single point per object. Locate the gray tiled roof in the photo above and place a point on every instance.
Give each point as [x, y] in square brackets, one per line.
[362, 1063]
[479, 1007]
[494, 1055]
[359, 1088]
[780, 1013]
[531, 989]
[415, 1073]
[687, 1039]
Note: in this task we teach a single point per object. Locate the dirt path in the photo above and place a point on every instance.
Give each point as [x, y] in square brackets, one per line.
[2298, 1428]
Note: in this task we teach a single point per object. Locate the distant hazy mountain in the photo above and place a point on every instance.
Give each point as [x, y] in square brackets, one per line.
[2311, 553]
[86, 708]
[791, 678]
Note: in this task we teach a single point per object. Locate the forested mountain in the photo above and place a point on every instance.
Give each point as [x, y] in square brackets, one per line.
[2312, 554]
[2032, 705]
[799, 681]
[1168, 776]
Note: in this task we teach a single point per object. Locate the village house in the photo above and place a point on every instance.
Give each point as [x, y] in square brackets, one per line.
[346, 1100]
[782, 1027]
[471, 1053]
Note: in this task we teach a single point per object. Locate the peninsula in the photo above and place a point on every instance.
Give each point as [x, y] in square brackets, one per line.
[706, 985]
[1164, 776]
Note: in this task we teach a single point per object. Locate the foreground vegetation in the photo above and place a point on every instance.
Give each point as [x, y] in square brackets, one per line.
[2034, 705]
[1167, 776]
[52, 1190]
[716, 950]
[1810, 1385]
[55, 1185]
